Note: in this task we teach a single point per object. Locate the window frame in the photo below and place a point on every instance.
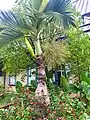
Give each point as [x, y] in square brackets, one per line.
[29, 74]
[14, 84]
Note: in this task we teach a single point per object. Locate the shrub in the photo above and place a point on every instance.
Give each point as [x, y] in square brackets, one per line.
[64, 106]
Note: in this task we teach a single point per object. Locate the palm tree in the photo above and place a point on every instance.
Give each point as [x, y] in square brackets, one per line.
[28, 23]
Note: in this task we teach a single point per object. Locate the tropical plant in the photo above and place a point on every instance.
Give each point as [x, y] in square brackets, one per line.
[86, 90]
[34, 27]
[64, 83]
[85, 78]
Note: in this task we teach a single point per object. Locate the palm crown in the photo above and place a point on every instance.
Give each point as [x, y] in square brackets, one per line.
[38, 13]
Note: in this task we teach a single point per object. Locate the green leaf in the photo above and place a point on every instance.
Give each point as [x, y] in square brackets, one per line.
[85, 78]
[64, 83]
[18, 86]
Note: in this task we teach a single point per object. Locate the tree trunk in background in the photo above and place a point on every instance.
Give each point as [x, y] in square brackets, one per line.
[4, 78]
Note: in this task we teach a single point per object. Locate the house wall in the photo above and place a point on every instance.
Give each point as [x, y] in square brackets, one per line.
[18, 78]
[24, 77]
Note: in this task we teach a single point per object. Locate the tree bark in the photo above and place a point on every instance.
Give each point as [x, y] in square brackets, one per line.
[41, 93]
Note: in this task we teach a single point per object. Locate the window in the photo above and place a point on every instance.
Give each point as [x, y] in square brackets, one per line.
[0, 73]
[12, 80]
[31, 75]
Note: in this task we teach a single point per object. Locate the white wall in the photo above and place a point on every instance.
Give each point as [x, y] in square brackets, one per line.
[18, 78]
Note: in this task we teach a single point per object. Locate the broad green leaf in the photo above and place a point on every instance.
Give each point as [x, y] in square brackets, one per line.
[18, 86]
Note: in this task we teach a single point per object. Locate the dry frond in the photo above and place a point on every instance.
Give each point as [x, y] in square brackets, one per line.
[55, 53]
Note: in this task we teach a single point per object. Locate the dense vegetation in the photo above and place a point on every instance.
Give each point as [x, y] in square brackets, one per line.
[35, 36]
[65, 105]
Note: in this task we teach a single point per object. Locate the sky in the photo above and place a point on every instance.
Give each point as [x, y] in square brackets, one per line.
[6, 4]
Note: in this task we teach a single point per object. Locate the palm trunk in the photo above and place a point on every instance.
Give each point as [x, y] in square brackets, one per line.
[41, 93]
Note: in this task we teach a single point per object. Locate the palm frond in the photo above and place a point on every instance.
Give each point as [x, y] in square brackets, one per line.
[9, 19]
[38, 5]
[61, 11]
[55, 54]
[57, 5]
[13, 27]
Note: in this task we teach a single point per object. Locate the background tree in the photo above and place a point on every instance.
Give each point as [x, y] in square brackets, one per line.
[15, 57]
[79, 47]
[39, 15]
